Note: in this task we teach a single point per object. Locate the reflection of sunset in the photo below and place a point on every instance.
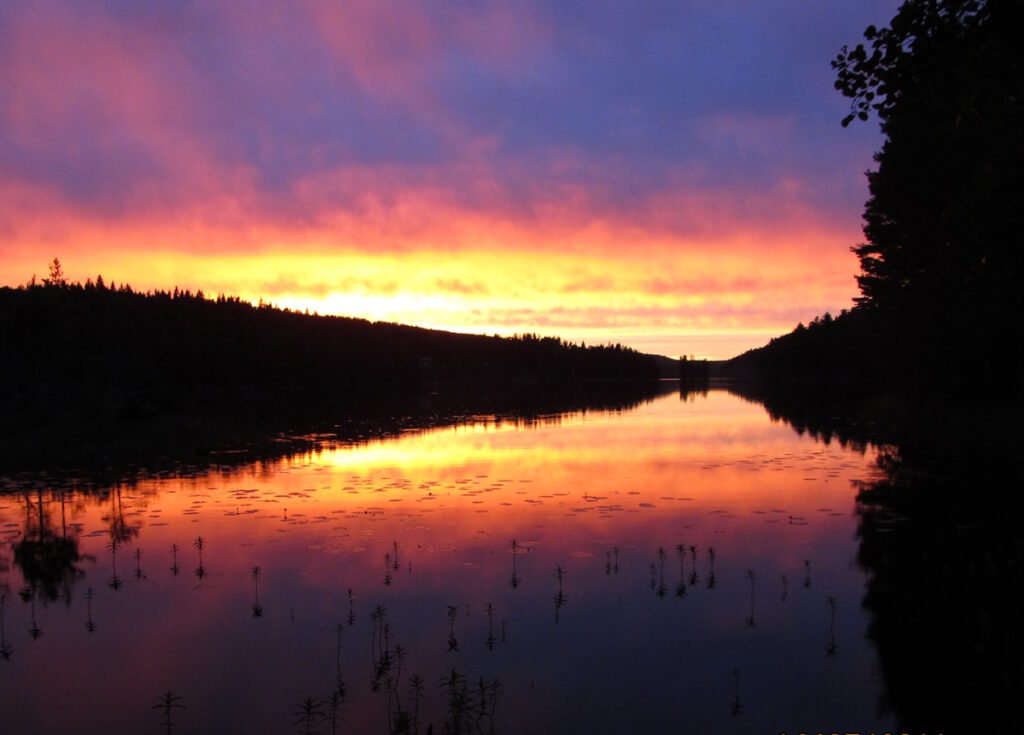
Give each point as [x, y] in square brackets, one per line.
[654, 518]
[586, 474]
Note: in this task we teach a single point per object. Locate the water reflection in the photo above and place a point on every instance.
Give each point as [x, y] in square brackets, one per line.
[482, 528]
[939, 530]
[48, 560]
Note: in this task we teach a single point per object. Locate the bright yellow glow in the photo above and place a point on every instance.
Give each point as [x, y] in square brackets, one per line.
[711, 296]
[635, 475]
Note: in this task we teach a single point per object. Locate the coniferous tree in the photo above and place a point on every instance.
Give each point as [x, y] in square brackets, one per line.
[941, 264]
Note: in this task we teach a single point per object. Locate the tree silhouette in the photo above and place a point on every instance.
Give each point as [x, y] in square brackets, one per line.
[941, 263]
[56, 277]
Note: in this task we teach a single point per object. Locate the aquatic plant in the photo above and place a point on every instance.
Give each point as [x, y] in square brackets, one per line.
[380, 646]
[5, 647]
[34, 630]
[487, 694]
[751, 622]
[200, 544]
[114, 582]
[560, 599]
[416, 693]
[515, 575]
[257, 608]
[89, 624]
[453, 612]
[139, 574]
[334, 701]
[490, 640]
[737, 705]
[309, 712]
[661, 588]
[458, 716]
[831, 647]
[168, 702]
[339, 629]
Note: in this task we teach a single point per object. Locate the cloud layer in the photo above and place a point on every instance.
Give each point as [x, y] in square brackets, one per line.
[654, 172]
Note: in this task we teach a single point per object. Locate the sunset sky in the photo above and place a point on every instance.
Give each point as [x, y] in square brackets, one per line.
[672, 176]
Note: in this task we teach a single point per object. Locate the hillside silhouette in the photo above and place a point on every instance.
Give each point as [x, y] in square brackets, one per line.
[105, 358]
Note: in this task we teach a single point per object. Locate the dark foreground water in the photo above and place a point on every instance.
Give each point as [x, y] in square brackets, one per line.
[686, 566]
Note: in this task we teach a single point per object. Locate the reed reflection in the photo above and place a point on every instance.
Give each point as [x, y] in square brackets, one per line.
[5, 645]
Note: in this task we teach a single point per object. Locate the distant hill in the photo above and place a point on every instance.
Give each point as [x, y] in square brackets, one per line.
[865, 351]
[70, 349]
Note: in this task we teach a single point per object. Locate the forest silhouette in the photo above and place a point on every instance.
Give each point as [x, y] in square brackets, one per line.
[940, 282]
[87, 362]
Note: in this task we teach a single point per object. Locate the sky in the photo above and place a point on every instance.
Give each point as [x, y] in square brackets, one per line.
[671, 176]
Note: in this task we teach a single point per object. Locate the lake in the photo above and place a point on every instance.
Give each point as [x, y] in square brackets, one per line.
[687, 565]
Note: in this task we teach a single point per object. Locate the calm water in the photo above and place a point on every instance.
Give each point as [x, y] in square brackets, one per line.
[686, 566]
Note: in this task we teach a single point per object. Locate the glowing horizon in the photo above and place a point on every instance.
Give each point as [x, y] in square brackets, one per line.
[675, 180]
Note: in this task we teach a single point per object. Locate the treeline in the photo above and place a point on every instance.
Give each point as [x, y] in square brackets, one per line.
[831, 351]
[68, 346]
[864, 351]
[942, 275]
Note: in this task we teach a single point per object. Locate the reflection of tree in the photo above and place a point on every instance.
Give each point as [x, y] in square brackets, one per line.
[47, 559]
[940, 538]
[28, 594]
[940, 541]
[119, 528]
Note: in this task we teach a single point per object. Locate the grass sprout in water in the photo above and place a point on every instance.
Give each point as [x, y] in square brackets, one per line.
[167, 704]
